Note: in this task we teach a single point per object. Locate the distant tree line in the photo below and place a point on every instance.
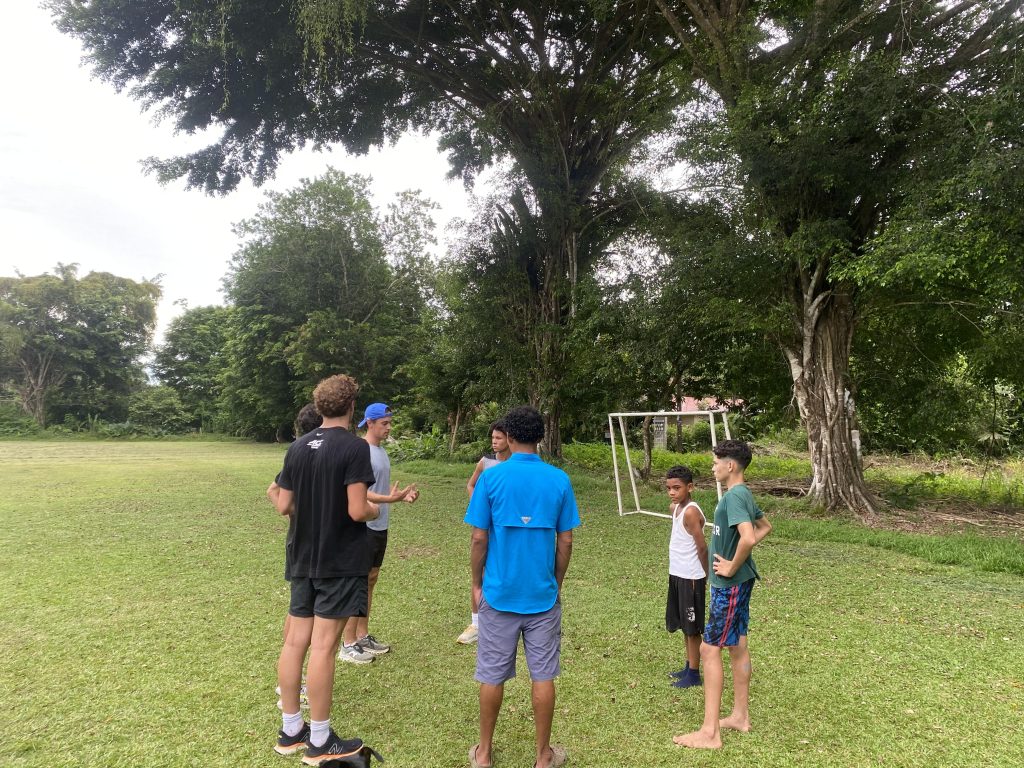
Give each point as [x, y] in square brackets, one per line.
[322, 282]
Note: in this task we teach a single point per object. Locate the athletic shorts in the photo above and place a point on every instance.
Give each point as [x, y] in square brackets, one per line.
[329, 598]
[377, 541]
[685, 607]
[729, 614]
[498, 642]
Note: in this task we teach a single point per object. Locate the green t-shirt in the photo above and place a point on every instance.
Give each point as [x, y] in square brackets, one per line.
[737, 506]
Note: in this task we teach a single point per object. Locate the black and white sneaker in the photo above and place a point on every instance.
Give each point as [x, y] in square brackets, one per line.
[335, 748]
[289, 745]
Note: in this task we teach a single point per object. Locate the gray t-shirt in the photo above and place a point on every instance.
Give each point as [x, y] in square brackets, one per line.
[382, 485]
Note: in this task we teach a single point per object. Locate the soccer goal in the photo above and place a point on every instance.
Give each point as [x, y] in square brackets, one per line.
[619, 420]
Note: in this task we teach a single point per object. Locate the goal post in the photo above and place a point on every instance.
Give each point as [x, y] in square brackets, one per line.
[619, 419]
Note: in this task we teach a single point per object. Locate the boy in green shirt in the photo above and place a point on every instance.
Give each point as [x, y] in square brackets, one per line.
[739, 525]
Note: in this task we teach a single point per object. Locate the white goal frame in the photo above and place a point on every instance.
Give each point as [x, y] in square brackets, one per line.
[620, 418]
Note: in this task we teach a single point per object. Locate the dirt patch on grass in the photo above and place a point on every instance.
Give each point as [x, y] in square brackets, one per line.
[414, 551]
[938, 516]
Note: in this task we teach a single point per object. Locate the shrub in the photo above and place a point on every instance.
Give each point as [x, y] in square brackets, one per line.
[14, 422]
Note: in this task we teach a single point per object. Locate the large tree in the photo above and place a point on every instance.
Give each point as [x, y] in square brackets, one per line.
[191, 361]
[72, 346]
[567, 90]
[822, 114]
[313, 293]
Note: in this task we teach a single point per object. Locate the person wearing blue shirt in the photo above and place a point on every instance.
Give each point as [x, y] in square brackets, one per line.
[523, 512]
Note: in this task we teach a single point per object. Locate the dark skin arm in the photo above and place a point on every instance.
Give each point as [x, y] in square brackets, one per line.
[563, 552]
[477, 558]
[694, 525]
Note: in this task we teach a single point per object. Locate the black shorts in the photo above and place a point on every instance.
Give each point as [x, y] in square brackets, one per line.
[336, 598]
[685, 607]
[377, 541]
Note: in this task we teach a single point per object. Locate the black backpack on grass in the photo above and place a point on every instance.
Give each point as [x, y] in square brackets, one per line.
[360, 759]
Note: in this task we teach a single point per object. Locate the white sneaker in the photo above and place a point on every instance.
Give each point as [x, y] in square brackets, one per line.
[469, 635]
[354, 654]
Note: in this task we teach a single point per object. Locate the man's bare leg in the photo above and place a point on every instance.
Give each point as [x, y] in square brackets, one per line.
[359, 626]
[490, 705]
[320, 671]
[543, 694]
[739, 718]
[709, 736]
[298, 632]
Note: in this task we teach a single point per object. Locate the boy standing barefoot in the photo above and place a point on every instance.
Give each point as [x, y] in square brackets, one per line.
[739, 525]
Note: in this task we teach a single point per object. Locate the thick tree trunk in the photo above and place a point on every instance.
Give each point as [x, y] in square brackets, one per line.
[820, 370]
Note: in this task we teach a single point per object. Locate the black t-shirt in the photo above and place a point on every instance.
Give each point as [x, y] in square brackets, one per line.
[323, 541]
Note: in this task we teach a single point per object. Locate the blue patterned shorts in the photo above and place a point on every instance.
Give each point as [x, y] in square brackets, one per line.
[729, 614]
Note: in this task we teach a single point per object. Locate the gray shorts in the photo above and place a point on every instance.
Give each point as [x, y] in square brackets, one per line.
[499, 639]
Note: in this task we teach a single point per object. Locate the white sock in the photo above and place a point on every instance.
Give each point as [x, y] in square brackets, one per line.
[319, 730]
[476, 620]
[291, 724]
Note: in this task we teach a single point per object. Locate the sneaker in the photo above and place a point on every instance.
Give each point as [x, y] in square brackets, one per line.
[289, 745]
[334, 748]
[303, 698]
[371, 644]
[679, 673]
[690, 679]
[469, 635]
[354, 654]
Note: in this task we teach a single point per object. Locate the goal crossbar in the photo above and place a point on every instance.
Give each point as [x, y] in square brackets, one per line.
[620, 419]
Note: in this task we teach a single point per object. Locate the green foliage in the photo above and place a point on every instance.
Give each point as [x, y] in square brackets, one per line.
[72, 346]
[191, 362]
[14, 422]
[314, 294]
[159, 409]
[825, 128]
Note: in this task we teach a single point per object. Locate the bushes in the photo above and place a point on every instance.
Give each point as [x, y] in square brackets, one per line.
[14, 422]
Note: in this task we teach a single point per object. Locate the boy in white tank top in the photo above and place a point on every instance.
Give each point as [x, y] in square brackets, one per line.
[687, 572]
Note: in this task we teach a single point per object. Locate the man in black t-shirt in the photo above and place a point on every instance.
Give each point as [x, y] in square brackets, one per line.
[323, 491]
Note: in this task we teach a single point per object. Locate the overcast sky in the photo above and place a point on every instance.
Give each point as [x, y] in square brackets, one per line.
[72, 188]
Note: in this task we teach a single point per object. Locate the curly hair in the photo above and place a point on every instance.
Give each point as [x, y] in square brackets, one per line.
[737, 450]
[335, 395]
[524, 424]
[679, 472]
[498, 426]
[307, 420]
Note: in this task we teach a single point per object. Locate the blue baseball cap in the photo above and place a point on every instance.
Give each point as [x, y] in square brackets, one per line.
[374, 411]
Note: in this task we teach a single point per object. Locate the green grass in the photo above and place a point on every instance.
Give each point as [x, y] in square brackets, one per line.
[141, 603]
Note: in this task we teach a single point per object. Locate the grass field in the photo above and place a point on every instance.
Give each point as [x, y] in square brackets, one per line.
[141, 601]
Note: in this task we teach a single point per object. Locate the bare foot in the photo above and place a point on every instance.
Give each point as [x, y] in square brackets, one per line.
[735, 723]
[699, 740]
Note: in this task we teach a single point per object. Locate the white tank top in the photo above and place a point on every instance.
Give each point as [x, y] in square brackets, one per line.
[488, 462]
[683, 560]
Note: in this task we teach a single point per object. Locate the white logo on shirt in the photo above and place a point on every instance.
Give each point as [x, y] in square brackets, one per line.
[526, 520]
[314, 444]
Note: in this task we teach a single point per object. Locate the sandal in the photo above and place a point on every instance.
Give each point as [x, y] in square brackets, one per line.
[473, 762]
[558, 756]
